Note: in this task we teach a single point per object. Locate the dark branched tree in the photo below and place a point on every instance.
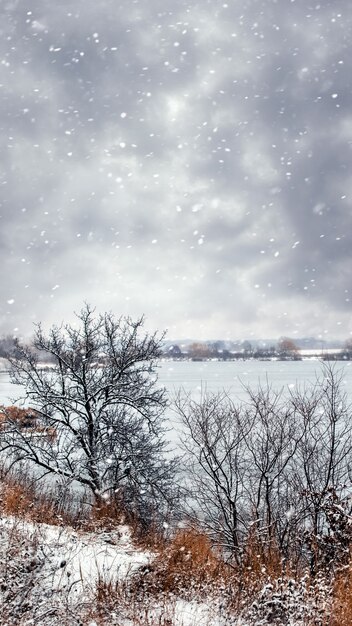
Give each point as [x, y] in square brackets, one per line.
[275, 469]
[217, 467]
[99, 412]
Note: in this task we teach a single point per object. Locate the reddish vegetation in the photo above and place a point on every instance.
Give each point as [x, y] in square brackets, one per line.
[25, 420]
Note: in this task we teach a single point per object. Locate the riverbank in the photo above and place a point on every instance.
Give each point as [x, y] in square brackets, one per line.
[100, 571]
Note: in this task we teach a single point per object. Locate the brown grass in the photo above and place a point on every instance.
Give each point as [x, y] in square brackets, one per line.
[342, 598]
[189, 567]
[21, 496]
[119, 600]
[263, 561]
[105, 514]
[184, 565]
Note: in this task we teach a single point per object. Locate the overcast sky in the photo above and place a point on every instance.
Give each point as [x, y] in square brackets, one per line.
[186, 160]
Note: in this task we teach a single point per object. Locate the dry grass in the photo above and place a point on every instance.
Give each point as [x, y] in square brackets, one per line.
[21, 496]
[105, 515]
[184, 567]
[342, 598]
[188, 566]
[261, 562]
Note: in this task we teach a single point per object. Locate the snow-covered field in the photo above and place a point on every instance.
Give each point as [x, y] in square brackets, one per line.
[54, 576]
[55, 571]
[73, 561]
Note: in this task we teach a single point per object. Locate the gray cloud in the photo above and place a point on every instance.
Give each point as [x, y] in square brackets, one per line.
[189, 162]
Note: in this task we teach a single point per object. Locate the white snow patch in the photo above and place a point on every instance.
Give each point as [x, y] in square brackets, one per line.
[75, 560]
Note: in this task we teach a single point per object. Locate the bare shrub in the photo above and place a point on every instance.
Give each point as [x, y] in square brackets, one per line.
[25, 596]
[284, 601]
[263, 470]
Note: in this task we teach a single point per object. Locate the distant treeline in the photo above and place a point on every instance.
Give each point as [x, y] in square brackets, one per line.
[285, 349]
[10, 346]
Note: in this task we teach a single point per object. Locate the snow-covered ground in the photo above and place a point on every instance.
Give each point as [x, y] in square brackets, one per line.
[58, 576]
[63, 566]
[74, 560]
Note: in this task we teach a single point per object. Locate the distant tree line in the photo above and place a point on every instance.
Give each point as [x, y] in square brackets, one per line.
[8, 345]
[286, 349]
[11, 346]
[344, 355]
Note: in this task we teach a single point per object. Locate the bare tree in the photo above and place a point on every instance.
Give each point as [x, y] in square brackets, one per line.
[323, 464]
[270, 468]
[217, 467]
[101, 405]
[239, 463]
[287, 348]
[271, 446]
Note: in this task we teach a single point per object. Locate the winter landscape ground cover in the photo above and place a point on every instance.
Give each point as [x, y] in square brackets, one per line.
[96, 570]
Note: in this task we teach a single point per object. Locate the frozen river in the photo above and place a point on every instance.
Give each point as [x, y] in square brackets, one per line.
[232, 376]
[235, 376]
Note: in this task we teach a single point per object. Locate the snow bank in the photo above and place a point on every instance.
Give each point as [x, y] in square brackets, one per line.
[74, 560]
